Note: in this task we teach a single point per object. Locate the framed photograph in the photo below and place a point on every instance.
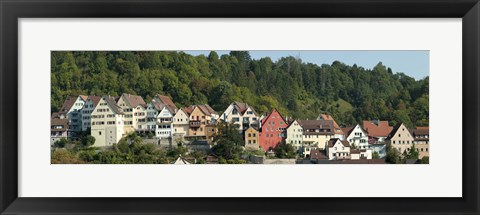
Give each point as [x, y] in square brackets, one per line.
[239, 107]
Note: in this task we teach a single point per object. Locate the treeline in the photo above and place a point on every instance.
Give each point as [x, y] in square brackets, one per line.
[296, 89]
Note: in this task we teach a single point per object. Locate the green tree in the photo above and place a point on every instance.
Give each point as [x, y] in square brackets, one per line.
[61, 143]
[285, 151]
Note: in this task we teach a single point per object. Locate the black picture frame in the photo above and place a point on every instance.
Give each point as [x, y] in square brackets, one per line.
[11, 11]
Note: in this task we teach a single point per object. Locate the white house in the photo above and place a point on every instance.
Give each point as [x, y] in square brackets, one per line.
[338, 149]
[107, 122]
[71, 108]
[164, 124]
[294, 135]
[356, 136]
[87, 110]
[241, 114]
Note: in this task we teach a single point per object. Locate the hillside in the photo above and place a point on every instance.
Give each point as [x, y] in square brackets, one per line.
[296, 89]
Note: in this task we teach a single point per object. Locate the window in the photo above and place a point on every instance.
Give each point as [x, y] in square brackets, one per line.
[254, 134]
[394, 142]
[249, 135]
[99, 133]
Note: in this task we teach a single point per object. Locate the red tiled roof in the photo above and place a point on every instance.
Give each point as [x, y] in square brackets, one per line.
[347, 130]
[317, 154]
[95, 99]
[113, 104]
[377, 128]
[165, 100]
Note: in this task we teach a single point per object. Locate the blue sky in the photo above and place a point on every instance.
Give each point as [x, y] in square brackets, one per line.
[412, 63]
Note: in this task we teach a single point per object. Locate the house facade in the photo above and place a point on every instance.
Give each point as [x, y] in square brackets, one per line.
[252, 139]
[58, 128]
[316, 134]
[87, 110]
[72, 109]
[200, 117]
[295, 135]
[180, 123]
[400, 138]
[107, 122]
[164, 124]
[129, 104]
[338, 149]
[421, 137]
[273, 129]
[357, 136]
[240, 114]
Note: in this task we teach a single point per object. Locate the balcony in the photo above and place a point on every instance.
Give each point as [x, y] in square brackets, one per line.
[195, 123]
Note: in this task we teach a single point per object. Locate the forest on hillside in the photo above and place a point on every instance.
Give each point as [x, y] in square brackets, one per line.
[350, 93]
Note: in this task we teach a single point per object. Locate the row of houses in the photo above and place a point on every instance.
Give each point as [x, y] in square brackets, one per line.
[110, 118]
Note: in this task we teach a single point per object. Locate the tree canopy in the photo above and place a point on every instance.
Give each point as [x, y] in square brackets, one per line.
[297, 89]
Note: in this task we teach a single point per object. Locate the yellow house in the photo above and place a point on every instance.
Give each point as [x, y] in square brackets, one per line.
[251, 139]
[200, 117]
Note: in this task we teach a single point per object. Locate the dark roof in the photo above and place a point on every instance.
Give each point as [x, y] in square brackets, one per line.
[188, 110]
[420, 131]
[377, 128]
[242, 107]
[357, 151]
[394, 130]
[62, 122]
[324, 126]
[337, 129]
[58, 115]
[132, 100]
[112, 104]
[348, 130]
[317, 154]
[332, 142]
[67, 104]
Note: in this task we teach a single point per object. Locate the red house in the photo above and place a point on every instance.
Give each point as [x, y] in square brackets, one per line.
[272, 132]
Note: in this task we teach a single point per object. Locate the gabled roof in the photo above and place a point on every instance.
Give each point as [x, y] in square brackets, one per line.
[332, 142]
[95, 99]
[291, 123]
[113, 104]
[206, 109]
[58, 115]
[377, 128]
[133, 100]
[242, 107]
[347, 130]
[68, 103]
[337, 129]
[165, 100]
[188, 110]
[270, 114]
[394, 130]
[84, 97]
